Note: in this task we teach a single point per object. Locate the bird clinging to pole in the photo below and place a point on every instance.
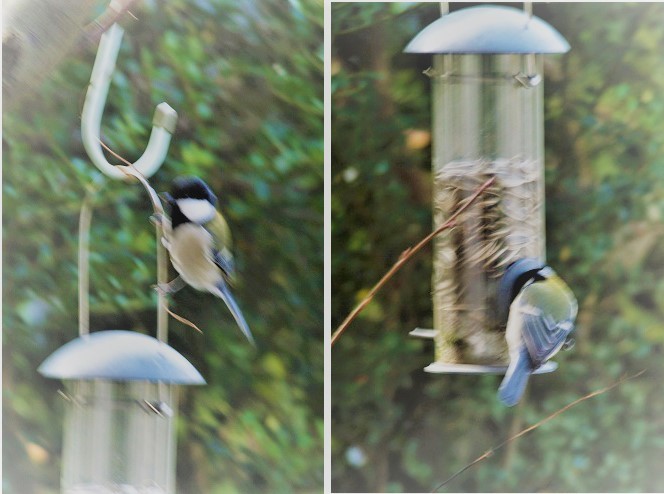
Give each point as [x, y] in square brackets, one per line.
[199, 244]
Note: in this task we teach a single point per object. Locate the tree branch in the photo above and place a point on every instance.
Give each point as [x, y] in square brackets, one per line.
[525, 431]
[404, 257]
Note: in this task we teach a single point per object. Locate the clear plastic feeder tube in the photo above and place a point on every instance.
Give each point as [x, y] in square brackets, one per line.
[119, 437]
[487, 122]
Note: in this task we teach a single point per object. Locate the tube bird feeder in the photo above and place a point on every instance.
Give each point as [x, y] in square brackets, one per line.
[121, 390]
[121, 387]
[487, 121]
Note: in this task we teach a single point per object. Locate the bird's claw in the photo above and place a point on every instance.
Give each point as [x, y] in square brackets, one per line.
[161, 288]
[156, 219]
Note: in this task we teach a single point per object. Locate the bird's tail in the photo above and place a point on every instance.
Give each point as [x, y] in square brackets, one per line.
[515, 380]
[225, 294]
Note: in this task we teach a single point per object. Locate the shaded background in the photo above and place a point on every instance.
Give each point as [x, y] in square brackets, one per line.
[246, 79]
[396, 428]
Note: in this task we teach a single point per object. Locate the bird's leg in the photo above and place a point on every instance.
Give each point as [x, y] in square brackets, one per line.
[171, 287]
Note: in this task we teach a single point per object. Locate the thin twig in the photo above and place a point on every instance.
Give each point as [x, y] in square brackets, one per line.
[525, 431]
[161, 226]
[183, 320]
[404, 257]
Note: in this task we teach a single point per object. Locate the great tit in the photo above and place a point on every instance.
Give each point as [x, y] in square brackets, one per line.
[199, 244]
[540, 321]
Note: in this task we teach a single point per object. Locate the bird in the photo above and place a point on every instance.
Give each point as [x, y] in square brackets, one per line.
[198, 241]
[542, 312]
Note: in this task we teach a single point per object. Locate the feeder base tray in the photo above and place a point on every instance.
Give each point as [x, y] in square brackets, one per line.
[443, 368]
[449, 368]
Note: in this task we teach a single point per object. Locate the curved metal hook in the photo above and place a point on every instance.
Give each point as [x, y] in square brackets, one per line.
[163, 122]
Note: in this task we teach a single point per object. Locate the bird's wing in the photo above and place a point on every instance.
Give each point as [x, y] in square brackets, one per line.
[224, 259]
[543, 335]
[222, 254]
[548, 309]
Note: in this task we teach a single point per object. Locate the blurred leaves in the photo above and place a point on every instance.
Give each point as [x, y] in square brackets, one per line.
[246, 79]
[604, 133]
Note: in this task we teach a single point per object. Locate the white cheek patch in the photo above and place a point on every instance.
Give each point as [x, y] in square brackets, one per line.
[197, 210]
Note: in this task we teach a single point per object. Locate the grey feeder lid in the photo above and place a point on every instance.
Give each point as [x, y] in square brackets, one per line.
[120, 356]
[488, 29]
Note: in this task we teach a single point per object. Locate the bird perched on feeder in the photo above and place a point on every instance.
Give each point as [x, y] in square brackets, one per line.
[541, 312]
[199, 243]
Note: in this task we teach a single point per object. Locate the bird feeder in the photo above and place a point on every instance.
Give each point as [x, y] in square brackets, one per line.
[121, 392]
[121, 387]
[487, 119]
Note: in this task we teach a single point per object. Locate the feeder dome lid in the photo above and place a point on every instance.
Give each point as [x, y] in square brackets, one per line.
[120, 356]
[488, 29]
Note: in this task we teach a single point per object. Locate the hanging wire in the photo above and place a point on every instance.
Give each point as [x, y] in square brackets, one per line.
[162, 278]
[528, 9]
[84, 222]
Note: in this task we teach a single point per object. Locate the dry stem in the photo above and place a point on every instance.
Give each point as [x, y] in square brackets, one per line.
[525, 431]
[130, 170]
[404, 257]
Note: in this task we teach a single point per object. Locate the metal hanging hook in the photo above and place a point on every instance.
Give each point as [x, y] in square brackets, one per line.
[163, 122]
[163, 126]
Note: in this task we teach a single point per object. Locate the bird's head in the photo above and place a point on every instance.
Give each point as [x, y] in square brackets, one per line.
[192, 197]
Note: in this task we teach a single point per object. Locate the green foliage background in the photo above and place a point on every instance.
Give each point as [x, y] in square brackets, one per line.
[396, 428]
[246, 78]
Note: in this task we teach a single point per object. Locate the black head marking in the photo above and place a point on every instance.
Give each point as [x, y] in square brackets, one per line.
[192, 188]
[186, 188]
[177, 217]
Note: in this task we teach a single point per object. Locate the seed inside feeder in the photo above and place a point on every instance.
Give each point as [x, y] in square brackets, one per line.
[501, 226]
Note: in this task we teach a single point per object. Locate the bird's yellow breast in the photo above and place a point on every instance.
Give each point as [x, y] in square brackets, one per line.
[191, 254]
